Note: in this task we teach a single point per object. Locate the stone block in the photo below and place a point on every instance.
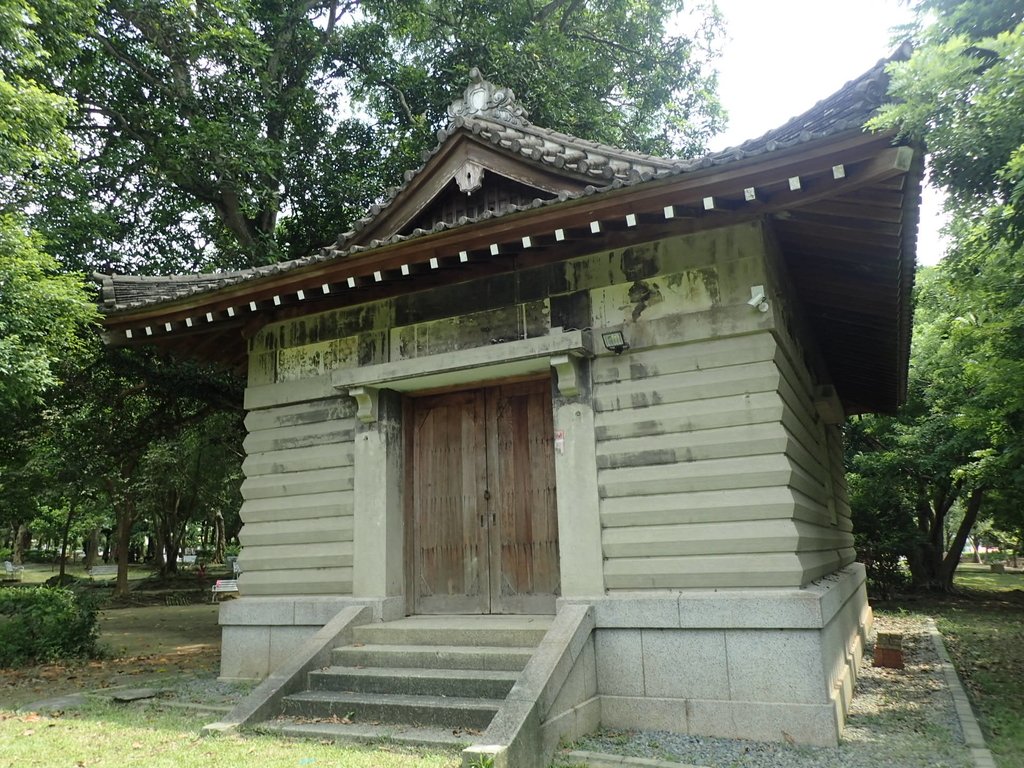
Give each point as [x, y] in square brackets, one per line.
[641, 713]
[317, 611]
[684, 664]
[836, 589]
[620, 668]
[284, 641]
[637, 610]
[893, 640]
[576, 688]
[803, 724]
[712, 718]
[571, 724]
[554, 661]
[776, 666]
[257, 611]
[752, 609]
[245, 653]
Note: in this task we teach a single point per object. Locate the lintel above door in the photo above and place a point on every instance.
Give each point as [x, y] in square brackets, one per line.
[561, 350]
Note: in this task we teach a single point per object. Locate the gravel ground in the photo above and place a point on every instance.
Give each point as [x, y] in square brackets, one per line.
[899, 718]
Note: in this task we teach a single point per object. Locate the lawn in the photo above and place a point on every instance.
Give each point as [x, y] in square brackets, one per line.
[105, 735]
[983, 626]
[172, 648]
[175, 648]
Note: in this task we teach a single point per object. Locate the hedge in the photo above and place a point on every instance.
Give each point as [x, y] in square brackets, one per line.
[43, 624]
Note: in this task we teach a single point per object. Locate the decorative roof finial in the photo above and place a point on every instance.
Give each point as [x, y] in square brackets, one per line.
[484, 99]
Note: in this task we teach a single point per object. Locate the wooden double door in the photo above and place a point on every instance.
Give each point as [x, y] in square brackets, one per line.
[484, 521]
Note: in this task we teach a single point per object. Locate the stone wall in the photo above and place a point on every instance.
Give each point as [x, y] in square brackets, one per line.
[297, 512]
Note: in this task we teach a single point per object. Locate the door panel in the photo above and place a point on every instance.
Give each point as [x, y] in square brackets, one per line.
[524, 535]
[485, 526]
[450, 550]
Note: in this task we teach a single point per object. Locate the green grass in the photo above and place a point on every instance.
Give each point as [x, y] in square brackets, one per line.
[37, 573]
[983, 626]
[979, 577]
[105, 735]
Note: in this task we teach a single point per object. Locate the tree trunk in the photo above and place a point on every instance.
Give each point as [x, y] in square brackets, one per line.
[64, 542]
[19, 544]
[927, 569]
[219, 538]
[159, 553]
[926, 557]
[952, 559]
[125, 521]
[976, 543]
[172, 546]
[92, 548]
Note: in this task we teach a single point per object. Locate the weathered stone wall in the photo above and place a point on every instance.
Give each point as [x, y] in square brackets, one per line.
[297, 511]
[699, 487]
[713, 467]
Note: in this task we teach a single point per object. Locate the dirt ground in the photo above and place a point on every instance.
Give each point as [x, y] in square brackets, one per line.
[146, 644]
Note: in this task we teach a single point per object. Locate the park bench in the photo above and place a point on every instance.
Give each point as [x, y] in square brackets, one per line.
[222, 585]
[102, 570]
[13, 572]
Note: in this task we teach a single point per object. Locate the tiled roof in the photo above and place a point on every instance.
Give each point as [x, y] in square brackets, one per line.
[502, 122]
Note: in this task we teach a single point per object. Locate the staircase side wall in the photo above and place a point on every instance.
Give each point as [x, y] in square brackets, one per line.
[772, 665]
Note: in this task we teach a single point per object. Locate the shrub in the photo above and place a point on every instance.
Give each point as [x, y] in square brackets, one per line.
[41, 624]
[37, 556]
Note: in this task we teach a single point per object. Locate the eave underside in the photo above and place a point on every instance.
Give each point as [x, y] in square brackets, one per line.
[847, 244]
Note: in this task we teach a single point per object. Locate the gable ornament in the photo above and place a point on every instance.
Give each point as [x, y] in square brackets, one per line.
[484, 99]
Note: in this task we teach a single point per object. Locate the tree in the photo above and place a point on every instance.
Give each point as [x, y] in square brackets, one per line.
[41, 310]
[240, 132]
[911, 470]
[114, 410]
[190, 478]
[960, 438]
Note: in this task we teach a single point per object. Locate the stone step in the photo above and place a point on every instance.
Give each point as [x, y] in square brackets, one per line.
[473, 683]
[367, 733]
[509, 631]
[377, 708]
[432, 657]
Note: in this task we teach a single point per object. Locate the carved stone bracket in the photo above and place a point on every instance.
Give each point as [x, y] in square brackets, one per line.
[470, 177]
[828, 405]
[366, 401]
[488, 100]
[567, 369]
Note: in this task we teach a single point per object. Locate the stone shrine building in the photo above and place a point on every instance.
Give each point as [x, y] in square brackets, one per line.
[557, 428]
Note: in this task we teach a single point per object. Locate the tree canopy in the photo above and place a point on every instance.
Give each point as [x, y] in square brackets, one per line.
[41, 309]
[959, 442]
[156, 137]
[240, 132]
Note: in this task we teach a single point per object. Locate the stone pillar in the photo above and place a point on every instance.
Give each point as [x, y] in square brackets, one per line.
[378, 537]
[579, 523]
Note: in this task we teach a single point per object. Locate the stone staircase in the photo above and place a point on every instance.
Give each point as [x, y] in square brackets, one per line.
[435, 680]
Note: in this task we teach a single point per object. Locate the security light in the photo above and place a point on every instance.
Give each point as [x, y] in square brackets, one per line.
[614, 341]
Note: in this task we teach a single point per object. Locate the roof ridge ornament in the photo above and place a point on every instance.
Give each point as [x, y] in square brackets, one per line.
[484, 99]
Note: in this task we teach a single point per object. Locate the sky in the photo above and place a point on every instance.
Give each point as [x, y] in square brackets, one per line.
[780, 57]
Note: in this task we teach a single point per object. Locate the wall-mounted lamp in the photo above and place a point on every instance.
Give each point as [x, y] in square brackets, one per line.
[758, 299]
[614, 341]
